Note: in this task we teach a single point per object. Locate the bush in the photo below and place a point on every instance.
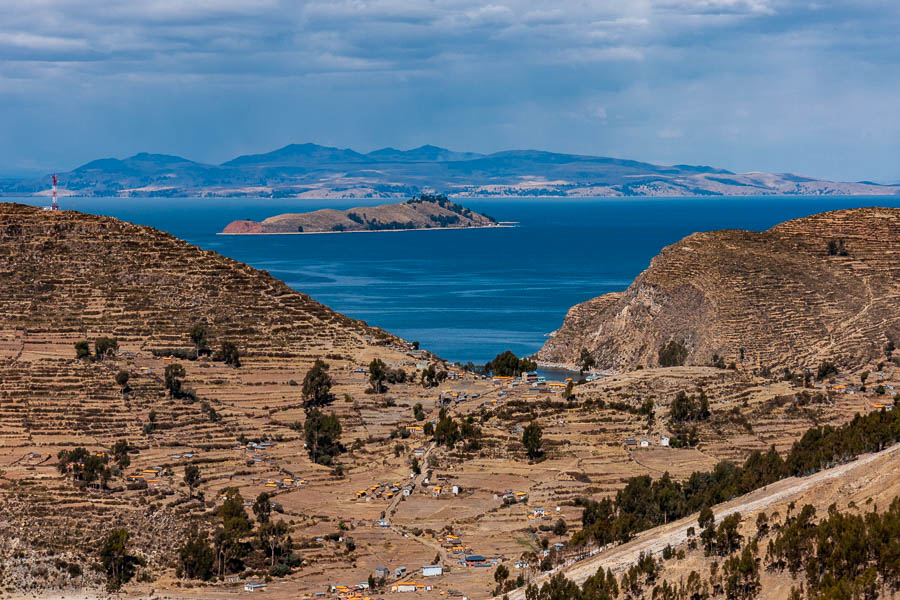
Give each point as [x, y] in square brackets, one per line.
[826, 369]
[122, 378]
[82, 349]
[230, 355]
[179, 353]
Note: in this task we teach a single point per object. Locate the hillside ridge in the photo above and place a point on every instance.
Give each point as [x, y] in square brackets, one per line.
[822, 287]
[311, 170]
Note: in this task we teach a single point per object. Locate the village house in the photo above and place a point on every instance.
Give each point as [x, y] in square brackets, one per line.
[255, 587]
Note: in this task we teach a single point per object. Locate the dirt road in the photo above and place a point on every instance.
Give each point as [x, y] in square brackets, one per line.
[655, 540]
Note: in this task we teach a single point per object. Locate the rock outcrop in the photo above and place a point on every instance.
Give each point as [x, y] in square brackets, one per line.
[824, 287]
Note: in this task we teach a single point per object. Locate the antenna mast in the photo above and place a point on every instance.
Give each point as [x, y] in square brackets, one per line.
[55, 205]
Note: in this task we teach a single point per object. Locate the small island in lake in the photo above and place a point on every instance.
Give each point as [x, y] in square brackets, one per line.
[421, 212]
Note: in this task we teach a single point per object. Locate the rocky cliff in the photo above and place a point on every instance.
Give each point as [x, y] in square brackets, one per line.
[824, 287]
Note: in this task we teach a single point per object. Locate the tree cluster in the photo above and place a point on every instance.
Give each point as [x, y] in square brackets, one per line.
[689, 408]
[532, 440]
[837, 248]
[599, 586]
[843, 556]
[84, 465]
[104, 347]
[508, 364]
[115, 559]
[432, 377]
[234, 543]
[448, 432]
[644, 503]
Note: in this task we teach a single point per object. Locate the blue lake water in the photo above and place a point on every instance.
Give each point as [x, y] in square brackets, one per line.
[466, 295]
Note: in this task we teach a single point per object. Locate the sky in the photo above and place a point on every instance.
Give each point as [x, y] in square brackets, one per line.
[747, 85]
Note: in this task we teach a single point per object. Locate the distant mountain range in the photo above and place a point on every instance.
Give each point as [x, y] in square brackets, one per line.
[314, 171]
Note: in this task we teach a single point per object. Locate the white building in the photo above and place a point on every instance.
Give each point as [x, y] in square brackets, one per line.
[432, 570]
[254, 587]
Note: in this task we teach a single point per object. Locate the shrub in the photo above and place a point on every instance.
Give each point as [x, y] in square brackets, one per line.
[82, 349]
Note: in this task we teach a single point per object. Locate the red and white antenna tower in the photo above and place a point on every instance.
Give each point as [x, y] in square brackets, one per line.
[55, 205]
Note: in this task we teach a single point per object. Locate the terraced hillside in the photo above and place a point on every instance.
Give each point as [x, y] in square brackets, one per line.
[68, 276]
[396, 495]
[824, 287]
[76, 276]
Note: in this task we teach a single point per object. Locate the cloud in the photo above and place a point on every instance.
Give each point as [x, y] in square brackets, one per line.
[747, 84]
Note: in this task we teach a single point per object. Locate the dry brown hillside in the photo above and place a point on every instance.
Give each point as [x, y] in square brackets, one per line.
[68, 276]
[824, 287]
[75, 276]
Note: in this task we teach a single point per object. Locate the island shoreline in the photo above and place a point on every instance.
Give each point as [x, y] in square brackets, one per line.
[506, 225]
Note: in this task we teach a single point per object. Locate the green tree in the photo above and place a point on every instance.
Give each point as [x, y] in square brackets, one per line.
[198, 335]
[560, 527]
[196, 556]
[262, 508]
[415, 466]
[323, 433]
[418, 412]
[317, 385]
[120, 452]
[531, 439]
[431, 377]
[377, 375]
[273, 536]
[740, 574]
[191, 478]
[82, 349]
[230, 355]
[118, 564]
[105, 346]
[586, 360]
[235, 526]
[174, 379]
[507, 364]
[501, 573]
[446, 431]
[122, 378]
[727, 537]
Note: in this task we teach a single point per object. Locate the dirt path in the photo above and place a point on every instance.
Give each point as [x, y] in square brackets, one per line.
[655, 540]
